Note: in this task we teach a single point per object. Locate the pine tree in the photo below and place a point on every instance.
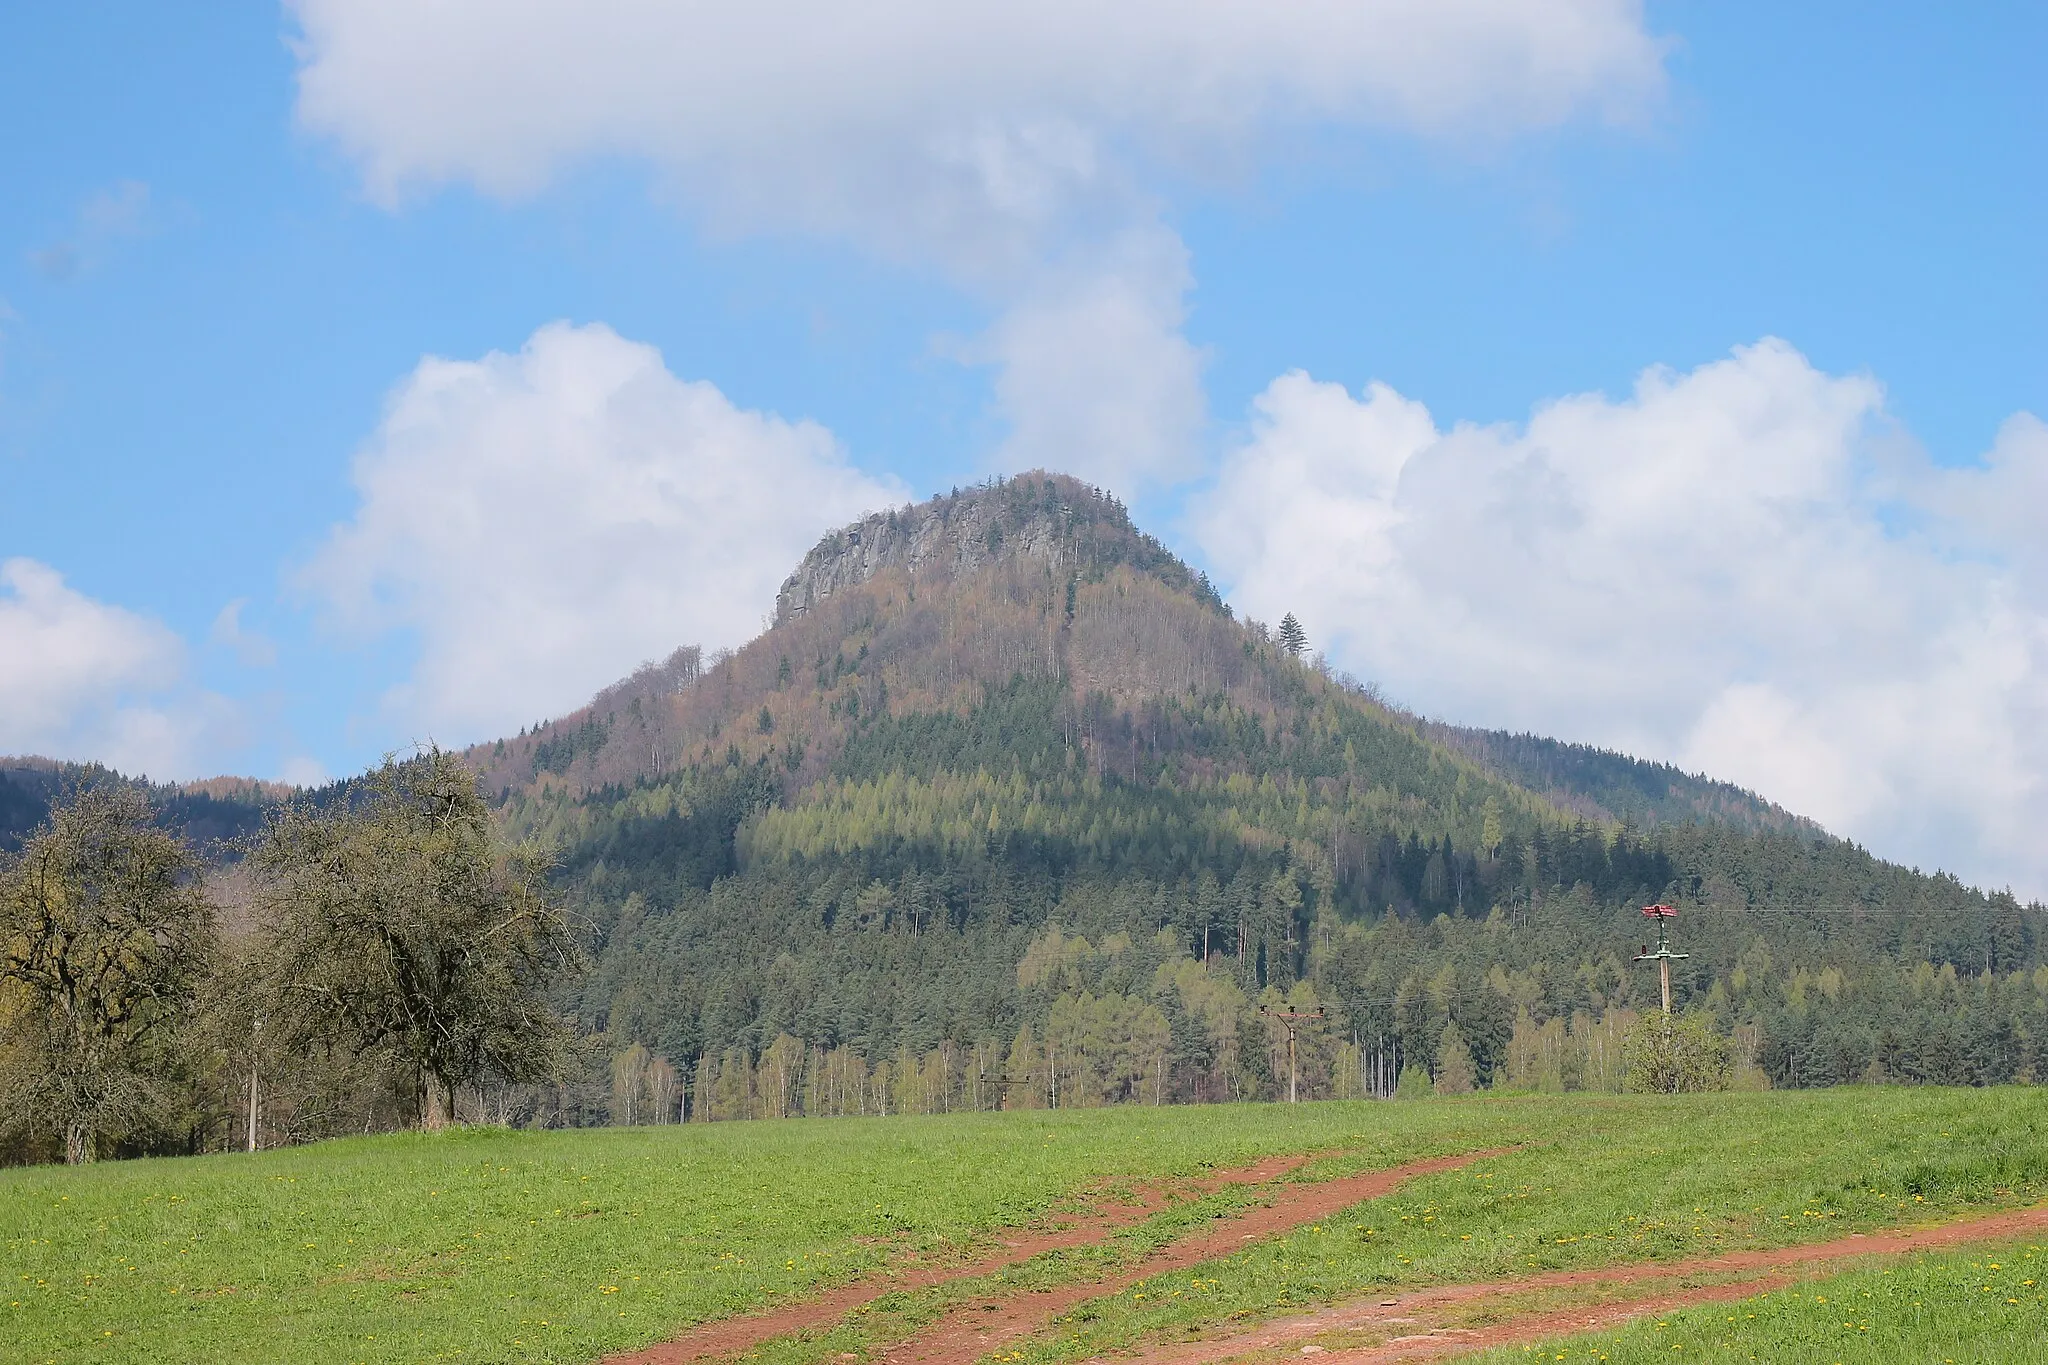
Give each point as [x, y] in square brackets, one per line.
[1293, 638]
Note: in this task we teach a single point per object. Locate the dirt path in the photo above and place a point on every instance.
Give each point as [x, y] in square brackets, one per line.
[972, 1330]
[730, 1336]
[1422, 1324]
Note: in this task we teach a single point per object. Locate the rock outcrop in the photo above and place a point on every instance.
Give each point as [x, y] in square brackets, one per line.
[1049, 518]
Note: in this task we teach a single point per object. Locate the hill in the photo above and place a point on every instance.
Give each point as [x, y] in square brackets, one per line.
[1006, 785]
[211, 814]
[1612, 787]
[1006, 791]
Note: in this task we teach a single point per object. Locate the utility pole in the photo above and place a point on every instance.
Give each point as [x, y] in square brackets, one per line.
[1291, 1020]
[255, 1032]
[1663, 957]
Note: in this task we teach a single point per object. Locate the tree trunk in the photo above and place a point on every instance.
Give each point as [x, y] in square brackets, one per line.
[434, 1112]
[78, 1144]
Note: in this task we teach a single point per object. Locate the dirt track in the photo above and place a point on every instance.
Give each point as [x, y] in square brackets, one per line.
[1419, 1325]
[968, 1333]
[730, 1336]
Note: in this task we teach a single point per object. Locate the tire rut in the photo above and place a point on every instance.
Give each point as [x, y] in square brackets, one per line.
[1751, 1272]
[967, 1333]
[725, 1337]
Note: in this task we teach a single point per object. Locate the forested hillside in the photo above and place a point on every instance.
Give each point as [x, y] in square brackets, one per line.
[1007, 807]
[1603, 785]
[210, 815]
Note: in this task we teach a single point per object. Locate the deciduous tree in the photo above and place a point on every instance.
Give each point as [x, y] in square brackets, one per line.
[402, 923]
[104, 933]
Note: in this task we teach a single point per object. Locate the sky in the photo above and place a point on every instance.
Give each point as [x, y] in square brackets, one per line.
[1666, 376]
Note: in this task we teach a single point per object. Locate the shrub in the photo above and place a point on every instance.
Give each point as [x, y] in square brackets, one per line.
[1672, 1055]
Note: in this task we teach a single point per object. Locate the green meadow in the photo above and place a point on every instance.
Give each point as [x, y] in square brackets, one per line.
[1981, 1306]
[489, 1245]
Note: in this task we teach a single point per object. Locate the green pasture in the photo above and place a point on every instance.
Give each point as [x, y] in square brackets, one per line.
[1979, 1306]
[485, 1245]
[1613, 1179]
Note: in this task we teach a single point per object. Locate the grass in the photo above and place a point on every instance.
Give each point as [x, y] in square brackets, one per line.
[494, 1246]
[1614, 1180]
[487, 1245]
[1979, 1306]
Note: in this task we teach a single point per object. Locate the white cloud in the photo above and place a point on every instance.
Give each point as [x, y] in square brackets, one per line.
[544, 521]
[83, 680]
[927, 118]
[1093, 373]
[998, 144]
[251, 649]
[1743, 569]
[303, 770]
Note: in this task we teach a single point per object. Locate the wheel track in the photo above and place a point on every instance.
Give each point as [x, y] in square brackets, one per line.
[1750, 1272]
[967, 1333]
[732, 1336]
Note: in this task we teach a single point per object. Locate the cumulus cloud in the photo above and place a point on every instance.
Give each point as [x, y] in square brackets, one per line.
[1744, 569]
[1093, 373]
[1013, 148]
[927, 117]
[80, 679]
[544, 521]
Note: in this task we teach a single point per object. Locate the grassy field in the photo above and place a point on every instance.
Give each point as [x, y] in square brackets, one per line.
[496, 1246]
[1611, 1180]
[1984, 1306]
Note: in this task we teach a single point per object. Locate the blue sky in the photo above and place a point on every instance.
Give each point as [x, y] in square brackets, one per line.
[213, 296]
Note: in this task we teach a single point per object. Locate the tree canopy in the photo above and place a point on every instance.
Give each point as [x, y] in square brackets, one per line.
[104, 935]
[396, 924]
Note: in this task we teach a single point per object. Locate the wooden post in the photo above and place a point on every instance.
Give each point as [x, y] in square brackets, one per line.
[1290, 1020]
[255, 1033]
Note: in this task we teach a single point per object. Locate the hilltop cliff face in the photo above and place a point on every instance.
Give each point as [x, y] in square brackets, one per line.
[1037, 519]
[954, 535]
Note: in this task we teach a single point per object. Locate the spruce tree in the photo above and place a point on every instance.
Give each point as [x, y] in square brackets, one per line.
[1293, 638]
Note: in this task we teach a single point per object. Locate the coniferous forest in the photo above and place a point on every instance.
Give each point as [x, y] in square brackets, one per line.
[1008, 810]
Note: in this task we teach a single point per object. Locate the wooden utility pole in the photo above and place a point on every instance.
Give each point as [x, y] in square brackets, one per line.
[255, 1033]
[1291, 1020]
[1663, 957]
